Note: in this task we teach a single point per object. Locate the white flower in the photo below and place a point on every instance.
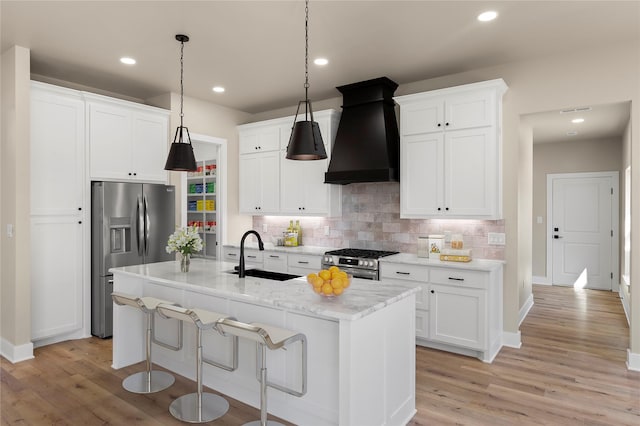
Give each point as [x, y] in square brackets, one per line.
[185, 240]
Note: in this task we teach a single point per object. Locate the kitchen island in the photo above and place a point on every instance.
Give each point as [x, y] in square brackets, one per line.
[361, 345]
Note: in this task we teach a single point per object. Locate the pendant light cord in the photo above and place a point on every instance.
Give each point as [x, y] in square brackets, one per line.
[181, 81]
[306, 57]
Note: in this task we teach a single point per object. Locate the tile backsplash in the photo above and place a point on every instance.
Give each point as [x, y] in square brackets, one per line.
[371, 219]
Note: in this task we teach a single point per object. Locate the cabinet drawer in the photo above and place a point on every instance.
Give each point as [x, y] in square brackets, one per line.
[274, 261]
[232, 254]
[306, 261]
[401, 271]
[460, 277]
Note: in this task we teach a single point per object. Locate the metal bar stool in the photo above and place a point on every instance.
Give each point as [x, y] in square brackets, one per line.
[273, 338]
[148, 381]
[200, 407]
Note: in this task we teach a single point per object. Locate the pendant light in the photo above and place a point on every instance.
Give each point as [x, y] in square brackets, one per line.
[181, 158]
[306, 142]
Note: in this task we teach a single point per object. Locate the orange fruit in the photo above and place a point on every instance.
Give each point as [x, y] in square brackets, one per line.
[327, 289]
[324, 274]
[317, 289]
[311, 277]
[338, 291]
[334, 268]
[346, 282]
[336, 283]
[318, 282]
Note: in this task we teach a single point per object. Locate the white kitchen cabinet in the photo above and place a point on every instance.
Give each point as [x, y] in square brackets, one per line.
[127, 141]
[458, 316]
[252, 257]
[275, 261]
[303, 264]
[418, 275]
[300, 184]
[58, 214]
[259, 183]
[450, 152]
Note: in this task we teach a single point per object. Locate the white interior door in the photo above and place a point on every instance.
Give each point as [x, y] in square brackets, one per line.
[583, 225]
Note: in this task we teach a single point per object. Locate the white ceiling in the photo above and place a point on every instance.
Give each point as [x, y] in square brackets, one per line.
[255, 49]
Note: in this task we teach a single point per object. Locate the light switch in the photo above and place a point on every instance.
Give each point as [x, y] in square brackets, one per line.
[326, 231]
[10, 230]
[264, 228]
[496, 238]
[539, 219]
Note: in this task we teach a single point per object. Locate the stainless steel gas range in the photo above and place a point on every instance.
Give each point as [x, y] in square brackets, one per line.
[361, 263]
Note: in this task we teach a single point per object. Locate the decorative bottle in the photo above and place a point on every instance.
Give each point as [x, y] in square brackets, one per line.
[298, 230]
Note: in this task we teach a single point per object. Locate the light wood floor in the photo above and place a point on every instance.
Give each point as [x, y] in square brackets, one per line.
[570, 370]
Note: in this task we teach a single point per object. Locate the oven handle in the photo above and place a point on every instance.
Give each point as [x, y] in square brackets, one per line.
[366, 274]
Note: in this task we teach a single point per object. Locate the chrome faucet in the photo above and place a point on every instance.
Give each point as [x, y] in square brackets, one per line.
[260, 246]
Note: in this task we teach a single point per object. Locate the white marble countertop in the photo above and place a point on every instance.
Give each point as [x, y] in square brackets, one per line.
[210, 276]
[315, 250]
[475, 264]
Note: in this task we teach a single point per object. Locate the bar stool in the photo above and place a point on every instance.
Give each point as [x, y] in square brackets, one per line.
[200, 407]
[148, 381]
[273, 338]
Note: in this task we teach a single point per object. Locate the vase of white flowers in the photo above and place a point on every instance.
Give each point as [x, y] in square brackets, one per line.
[185, 241]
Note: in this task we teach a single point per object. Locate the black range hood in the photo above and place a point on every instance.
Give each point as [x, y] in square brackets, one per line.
[366, 148]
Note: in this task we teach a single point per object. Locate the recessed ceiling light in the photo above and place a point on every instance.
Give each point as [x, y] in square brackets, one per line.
[572, 133]
[577, 120]
[128, 61]
[321, 61]
[487, 16]
[218, 89]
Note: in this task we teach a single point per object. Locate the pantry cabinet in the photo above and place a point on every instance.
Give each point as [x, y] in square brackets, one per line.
[127, 141]
[58, 213]
[450, 151]
[300, 188]
[202, 209]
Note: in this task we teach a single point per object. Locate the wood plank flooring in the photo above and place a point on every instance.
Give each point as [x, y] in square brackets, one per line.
[570, 371]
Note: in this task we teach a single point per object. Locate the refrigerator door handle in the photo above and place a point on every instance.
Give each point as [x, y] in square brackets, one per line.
[147, 226]
[140, 227]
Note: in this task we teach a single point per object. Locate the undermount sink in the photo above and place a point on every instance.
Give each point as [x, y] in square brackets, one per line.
[270, 275]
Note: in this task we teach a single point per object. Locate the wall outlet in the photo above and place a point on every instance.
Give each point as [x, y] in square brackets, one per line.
[447, 236]
[9, 230]
[496, 238]
[326, 231]
[264, 227]
[539, 219]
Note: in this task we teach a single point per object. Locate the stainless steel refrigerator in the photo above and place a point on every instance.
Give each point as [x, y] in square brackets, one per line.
[130, 225]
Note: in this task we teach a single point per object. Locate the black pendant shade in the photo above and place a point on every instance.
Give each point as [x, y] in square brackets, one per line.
[181, 157]
[305, 142]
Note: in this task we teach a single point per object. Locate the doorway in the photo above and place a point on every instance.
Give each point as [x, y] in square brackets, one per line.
[582, 234]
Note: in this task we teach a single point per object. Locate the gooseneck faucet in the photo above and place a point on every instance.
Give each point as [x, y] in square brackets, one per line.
[260, 246]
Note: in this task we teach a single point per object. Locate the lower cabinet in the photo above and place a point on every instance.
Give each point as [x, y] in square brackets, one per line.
[458, 310]
[457, 316]
[304, 264]
[274, 260]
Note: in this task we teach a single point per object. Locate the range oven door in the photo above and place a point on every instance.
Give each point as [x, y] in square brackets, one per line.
[367, 274]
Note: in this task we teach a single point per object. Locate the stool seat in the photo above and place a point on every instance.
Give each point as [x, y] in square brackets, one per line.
[272, 337]
[148, 381]
[199, 407]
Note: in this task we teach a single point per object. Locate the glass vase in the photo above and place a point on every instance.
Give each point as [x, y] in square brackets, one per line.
[185, 261]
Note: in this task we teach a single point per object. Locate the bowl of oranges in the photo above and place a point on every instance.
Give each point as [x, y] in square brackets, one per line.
[329, 282]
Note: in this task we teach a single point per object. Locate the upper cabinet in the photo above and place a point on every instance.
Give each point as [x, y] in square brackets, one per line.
[270, 184]
[127, 141]
[450, 150]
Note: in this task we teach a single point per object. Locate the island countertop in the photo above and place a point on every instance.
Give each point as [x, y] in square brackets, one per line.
[362, 298]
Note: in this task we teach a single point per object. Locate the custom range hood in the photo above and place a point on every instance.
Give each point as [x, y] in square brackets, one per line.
[367, 144]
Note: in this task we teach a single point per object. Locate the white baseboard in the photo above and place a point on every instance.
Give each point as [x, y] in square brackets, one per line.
[15, 353]
[74, 335]
[541, 280]
[625, 305]
[524, 310]
[511, 340]
[633, 361]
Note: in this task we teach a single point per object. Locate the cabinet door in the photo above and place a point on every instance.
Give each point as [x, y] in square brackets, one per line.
[56, 276]
[259, 183]
[302, 187]
[274, 261]
[57, 154]
[110, 130]
[260, 139]
[422, 117]
[422, 175]
[471, 183]
[458, 316]
[468, 110]
[149, 147]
